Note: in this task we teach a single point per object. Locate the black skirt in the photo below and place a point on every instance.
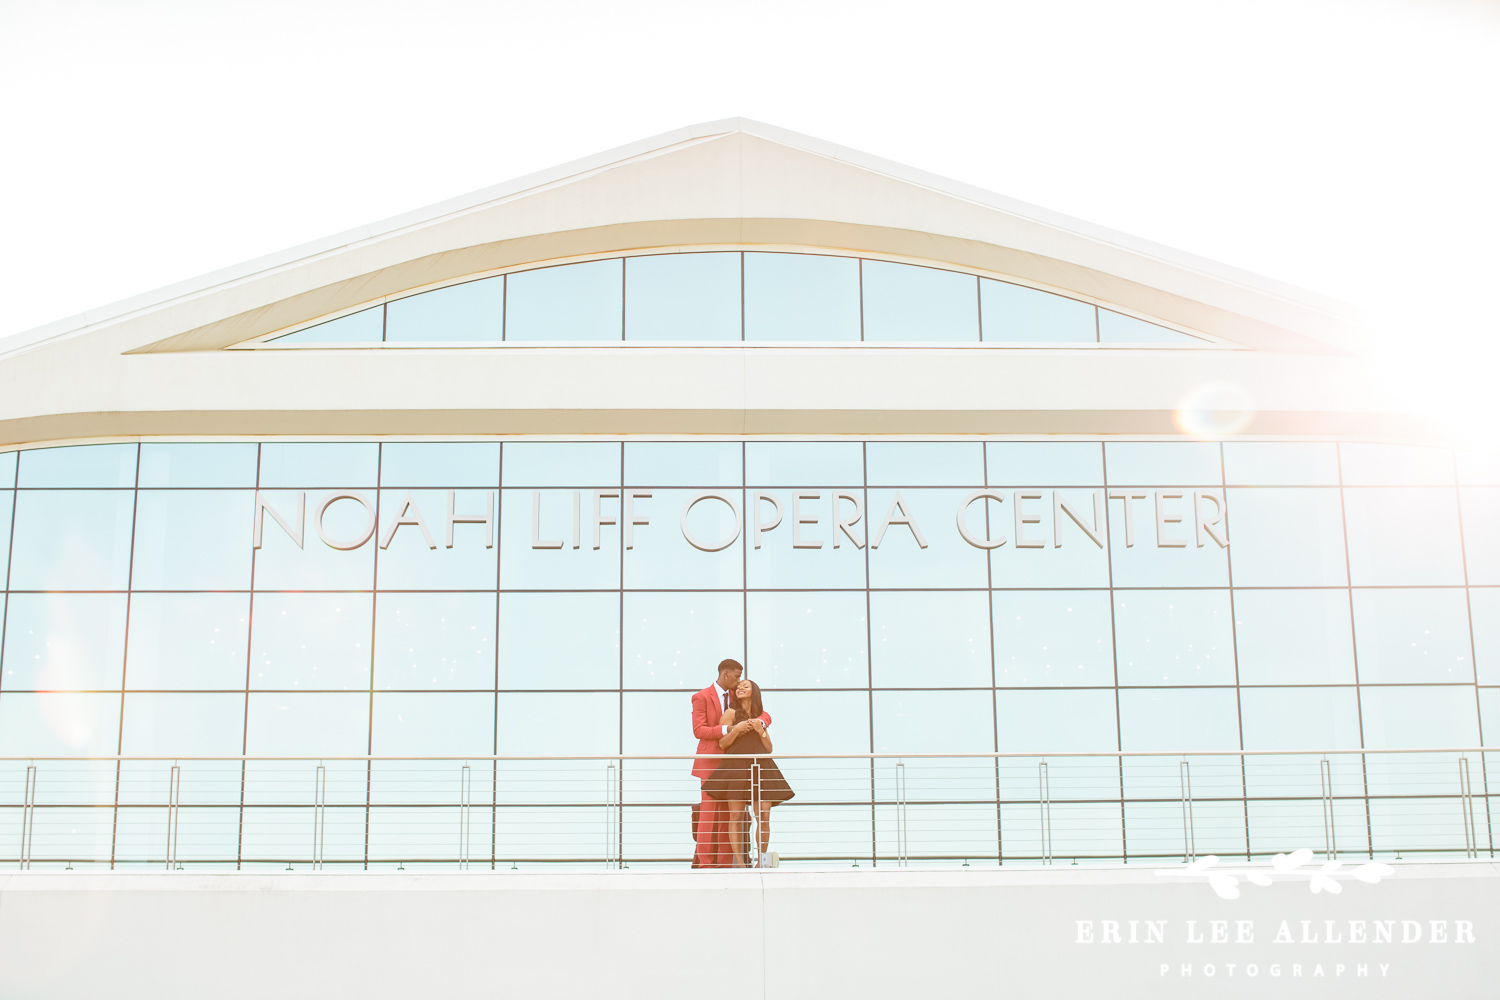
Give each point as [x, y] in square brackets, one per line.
[731, 779]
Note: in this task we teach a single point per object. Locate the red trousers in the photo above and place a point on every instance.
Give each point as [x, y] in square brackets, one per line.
[712, 835]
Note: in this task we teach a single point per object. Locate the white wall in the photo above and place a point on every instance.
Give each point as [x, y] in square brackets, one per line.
[784, 934]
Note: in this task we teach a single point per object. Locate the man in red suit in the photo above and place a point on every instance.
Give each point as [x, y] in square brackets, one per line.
[711, 830]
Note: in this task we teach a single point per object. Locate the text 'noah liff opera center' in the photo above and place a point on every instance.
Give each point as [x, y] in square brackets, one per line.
[406, 552]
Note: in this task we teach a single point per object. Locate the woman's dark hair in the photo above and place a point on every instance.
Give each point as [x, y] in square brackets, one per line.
[756, 708]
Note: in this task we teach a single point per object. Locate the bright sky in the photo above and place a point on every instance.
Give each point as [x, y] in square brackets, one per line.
[1351, 148]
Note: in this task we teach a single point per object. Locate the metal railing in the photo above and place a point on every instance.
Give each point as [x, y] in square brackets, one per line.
[623, 811]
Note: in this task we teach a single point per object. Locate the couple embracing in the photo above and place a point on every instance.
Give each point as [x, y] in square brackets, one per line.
[730, 723]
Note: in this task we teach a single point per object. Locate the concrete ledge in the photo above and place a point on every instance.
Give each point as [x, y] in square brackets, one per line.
[867, 933]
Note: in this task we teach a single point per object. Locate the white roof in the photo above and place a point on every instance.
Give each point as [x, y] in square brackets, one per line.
[760, 184]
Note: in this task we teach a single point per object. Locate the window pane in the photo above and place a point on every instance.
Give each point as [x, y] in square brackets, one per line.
[900, 561]
[577, 724]
[303, 466]
[677, 464]
[934, 722]
[1489, 712]
[1053, 639]
[1029, 463]
[1412, 636]
[807, 640]
[1179, 719]
[450, 465]
[1149, 564]
[281, 565]
[185, 465]
[925, 463]
[470, 311]
[434, 641]
[813, 462]
[433, 724]
[677, 640]
[1484, 612]
[663, 557]
[87, 465]
[660, 722]
[683, 296]
[311, 641]
[7, 469]
[1413, 717]
[906, 302]
[1395, 465]
[1481, 519]
[64, 642]
[409, 563]
[1174, 637]
[1474, 468]
[1079, 562]
[559, 640]
[193, 539]
[571, 464]
[67, 540]
[188, 641]
[1049, 722]
[1294, 636]
[930, 639]
[1117, 328]
[820, 722]
[363, 327]
[1248, 463]
[1324, 718]
[1024, 315]
[779, 563]
[300, 723]
[523, 566]
[1162, 463]
[199, 725]
[1403, 537]
[1287, 538]
[569, 302]
[60, 723]
[793, 296]
[1055, 722]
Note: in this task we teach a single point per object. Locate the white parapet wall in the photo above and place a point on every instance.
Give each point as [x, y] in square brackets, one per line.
[1424, 930]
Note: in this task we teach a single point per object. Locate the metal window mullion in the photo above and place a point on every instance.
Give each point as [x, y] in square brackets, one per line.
[1463, 552]
[1359, 701]
[1114, 645]
[135, 507]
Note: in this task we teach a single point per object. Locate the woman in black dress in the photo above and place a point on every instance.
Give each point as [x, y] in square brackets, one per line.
[732, 780]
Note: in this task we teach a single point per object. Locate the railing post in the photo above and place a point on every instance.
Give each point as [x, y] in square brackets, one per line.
[1044, 802]
[174, 798]
[1466, 794]
[1189, 846]
[901, 845]
[320, 798]
[28, 815]
[1330, 842]
[465, 786]
[611, 817]
[754, 809]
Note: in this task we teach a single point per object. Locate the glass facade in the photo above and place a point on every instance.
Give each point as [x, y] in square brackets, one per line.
[757, 296]
[566, 598]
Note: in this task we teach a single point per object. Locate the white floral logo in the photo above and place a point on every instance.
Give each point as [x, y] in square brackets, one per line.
[1320, 878]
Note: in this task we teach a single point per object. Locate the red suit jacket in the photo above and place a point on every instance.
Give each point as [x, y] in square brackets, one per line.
[707, 711]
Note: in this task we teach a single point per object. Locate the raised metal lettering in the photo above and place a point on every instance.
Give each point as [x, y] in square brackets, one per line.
[963, 527]
[365, 534]
[691, 539]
